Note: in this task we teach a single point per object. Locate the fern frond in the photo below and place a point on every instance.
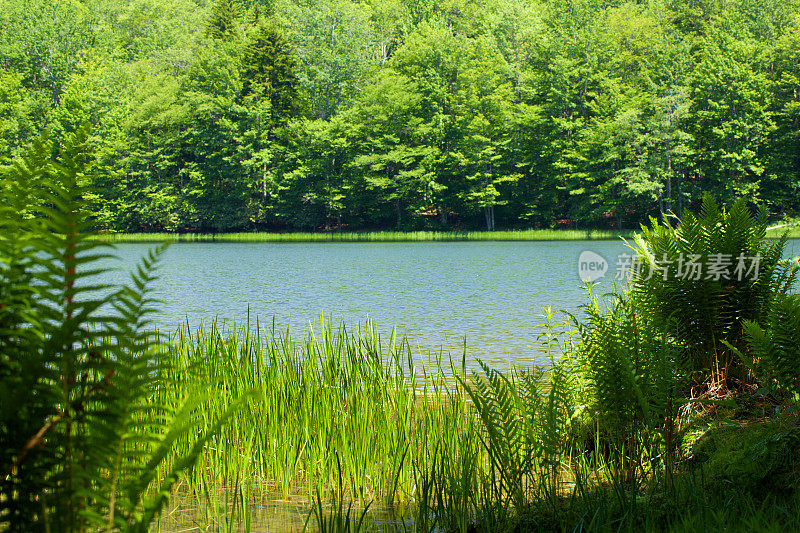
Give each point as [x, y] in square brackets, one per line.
[775, 350]
[710, 310]
[82, 365]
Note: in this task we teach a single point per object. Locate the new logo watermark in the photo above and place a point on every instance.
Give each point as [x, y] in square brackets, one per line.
[591, 266]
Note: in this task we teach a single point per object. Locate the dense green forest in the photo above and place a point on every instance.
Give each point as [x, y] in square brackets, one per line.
[410, 114]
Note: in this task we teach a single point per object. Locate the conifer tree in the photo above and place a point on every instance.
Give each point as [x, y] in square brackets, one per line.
[222, 22]
[269, 72]
[269, 96]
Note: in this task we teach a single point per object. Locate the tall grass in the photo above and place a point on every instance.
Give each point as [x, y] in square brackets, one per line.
[791, 229]
[351, 413]
[531, 235]
[344, 416]
[375, 236]
[335, 398]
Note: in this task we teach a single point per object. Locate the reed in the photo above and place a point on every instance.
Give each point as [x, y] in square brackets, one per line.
[335, 397]
[398, 236]
[346, 409]
[346, 417]
[375, 236]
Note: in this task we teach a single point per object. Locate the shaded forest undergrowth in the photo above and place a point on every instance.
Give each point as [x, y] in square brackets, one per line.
[671, 404]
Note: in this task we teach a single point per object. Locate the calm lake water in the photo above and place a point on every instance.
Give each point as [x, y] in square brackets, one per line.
[491, 294]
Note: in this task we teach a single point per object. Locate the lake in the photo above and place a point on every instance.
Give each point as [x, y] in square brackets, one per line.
[490, 293]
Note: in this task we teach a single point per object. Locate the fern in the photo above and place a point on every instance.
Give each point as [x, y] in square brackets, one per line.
[634, 371]
[525, 420]
[23, 369]
[710, 311]
[85, 442]
[775, 350]
[641, 346]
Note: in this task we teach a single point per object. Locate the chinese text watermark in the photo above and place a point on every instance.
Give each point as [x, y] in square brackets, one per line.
[688, 267]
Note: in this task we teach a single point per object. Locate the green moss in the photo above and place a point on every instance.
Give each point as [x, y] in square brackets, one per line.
[748, 455]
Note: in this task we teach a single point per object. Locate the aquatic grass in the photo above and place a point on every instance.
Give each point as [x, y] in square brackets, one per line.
[341, 407]
[374, 236]
[345, 407]
[346, 415]
[338, 520]
[400, 236]
[334, 397]
[792, 231]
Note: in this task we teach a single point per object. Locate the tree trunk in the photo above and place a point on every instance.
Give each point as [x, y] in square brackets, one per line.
[328, 202]
[397, 208]
[669, 175]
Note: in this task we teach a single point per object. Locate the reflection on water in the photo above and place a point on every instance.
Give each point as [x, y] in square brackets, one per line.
[267, 514]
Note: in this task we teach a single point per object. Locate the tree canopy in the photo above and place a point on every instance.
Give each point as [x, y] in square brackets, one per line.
[341, 114]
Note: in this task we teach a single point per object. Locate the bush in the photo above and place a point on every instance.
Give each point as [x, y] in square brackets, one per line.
[774, 352]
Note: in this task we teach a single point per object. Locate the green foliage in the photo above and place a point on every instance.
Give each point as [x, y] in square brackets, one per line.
[345, 419]
[339, 520]
[222, 22]
[525, 432]
[730, 122]
[710, 306]
[44, 42]
[751, 456]
[154, 31]
[84, 446]
[15, 124]
[774, 350]
[268, 71]
[216, 116]
[376, 236]
[669, 339]
[636, 385]
[339, 48]
[632, 363]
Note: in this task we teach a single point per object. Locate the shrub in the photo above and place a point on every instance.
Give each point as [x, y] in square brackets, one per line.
[774, 350]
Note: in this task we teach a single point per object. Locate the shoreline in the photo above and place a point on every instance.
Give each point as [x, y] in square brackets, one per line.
[375, 236]
[393, 236]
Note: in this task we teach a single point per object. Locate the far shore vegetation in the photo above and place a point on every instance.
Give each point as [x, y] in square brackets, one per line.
[371, 236]
[533, 235]
[222, 116]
